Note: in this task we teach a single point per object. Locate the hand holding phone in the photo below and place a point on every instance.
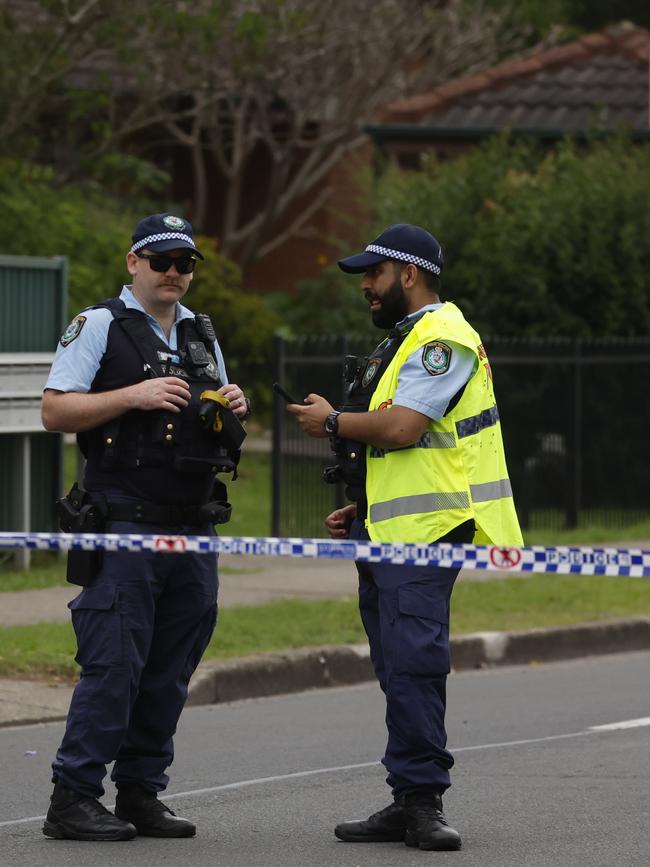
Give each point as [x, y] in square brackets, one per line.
[277, 388]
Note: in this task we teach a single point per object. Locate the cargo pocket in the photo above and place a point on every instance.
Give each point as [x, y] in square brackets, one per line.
[422, 640]
[204, 634]
[97, 624]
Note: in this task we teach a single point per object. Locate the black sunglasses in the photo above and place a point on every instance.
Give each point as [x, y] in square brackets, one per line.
[162, 263]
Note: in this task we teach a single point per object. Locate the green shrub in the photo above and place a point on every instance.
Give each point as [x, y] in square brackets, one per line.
[244, 323]
[536, 242]
[88, 227]
[93, 230]
[331, 303]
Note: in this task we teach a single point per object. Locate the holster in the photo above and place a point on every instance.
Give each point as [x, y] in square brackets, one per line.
[77, 514]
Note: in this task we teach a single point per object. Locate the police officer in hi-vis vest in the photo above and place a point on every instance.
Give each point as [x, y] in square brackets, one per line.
[419, 448]
[141, 380]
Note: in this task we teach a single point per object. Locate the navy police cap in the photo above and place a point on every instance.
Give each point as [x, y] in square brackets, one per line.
[402, 241]
[162, 232]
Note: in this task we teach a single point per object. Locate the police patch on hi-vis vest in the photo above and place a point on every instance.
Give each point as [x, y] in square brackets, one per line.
[369, 374]
[73, 330]
[436, 358]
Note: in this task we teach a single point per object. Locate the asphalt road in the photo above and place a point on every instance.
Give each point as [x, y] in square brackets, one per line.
[266, 780]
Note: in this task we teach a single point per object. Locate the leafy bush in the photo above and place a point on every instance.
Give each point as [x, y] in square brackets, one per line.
[88, 227]
[537, 243]
[93, 230]
[244, 323]
[331, 303]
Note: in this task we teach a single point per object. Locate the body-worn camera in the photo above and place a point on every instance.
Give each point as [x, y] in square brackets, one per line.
[199, 356]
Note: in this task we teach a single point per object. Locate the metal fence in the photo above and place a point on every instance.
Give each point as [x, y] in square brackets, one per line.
[33, 301]
[575, 416]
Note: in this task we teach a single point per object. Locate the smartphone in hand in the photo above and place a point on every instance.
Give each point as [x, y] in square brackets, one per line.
[277, 388]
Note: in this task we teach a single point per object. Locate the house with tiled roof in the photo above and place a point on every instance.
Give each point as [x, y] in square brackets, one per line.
[597, 84]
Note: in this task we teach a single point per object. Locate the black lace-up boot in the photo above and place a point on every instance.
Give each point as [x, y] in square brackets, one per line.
[76, 817]
[386, 826]
[426, 826]
[150, 816]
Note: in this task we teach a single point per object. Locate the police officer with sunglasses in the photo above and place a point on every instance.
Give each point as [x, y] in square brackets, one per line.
[142, 382]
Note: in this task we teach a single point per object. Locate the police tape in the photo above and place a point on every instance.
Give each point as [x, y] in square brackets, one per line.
[578, 560]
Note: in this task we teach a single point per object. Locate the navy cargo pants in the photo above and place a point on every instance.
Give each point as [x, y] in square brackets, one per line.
[141, 628]
[405, 612]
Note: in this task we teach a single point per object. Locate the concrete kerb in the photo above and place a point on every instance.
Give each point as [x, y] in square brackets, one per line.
[294, 671]
[277, 673]
[338, 665]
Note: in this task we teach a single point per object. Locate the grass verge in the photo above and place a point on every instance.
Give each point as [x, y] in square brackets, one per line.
[507, 604]
[250, 496]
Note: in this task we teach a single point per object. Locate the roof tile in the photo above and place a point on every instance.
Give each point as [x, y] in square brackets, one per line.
[600, 78]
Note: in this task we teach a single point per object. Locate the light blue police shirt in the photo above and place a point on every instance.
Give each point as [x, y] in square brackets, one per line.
[430, 395]
[75, 366]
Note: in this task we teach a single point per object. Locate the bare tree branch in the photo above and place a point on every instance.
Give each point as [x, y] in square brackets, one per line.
[289, 82]
[295, 228]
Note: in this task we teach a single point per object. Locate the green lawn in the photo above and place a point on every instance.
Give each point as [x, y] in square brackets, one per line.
[250, 499]
[250, 493]
[591, 534]
[250, 496]
[513, 603]
[541, 600]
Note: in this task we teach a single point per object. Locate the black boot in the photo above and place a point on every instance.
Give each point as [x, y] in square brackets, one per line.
[426, 826]
[149, 815]
[76, 817]
[386, 826]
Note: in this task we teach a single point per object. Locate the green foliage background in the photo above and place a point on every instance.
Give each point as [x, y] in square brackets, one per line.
[536, 242]
[86, 225]
[93, 230]
[244, 323]
[573, 17]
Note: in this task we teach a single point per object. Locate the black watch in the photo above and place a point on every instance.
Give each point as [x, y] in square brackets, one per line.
[332, 423]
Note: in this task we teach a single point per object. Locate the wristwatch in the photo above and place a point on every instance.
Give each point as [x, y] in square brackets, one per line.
[332, 423]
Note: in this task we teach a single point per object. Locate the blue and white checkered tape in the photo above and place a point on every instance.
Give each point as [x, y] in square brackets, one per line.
[579, 560]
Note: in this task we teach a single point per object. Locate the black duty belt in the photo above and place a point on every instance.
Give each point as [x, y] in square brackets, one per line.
[143, 512]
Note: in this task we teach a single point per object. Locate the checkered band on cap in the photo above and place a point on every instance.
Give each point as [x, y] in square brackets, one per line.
[404, 257]
[164, 236]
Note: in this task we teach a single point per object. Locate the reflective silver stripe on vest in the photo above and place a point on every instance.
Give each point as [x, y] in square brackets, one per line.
[428, 440]
[437, 440]
[491, 491]
[466, 427]
[418, 504]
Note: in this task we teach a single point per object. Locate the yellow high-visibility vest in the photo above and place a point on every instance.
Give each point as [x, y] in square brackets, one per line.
[457, 469]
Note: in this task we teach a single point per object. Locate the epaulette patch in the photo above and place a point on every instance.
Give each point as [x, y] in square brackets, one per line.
[436, 358]
[73, 330]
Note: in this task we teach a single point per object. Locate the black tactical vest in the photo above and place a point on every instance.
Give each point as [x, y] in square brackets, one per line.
[361, 375]
[162, 457]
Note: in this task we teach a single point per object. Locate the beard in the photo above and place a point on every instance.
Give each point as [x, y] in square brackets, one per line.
[393, 307]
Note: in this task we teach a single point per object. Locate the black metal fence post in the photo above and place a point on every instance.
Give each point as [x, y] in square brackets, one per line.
[342, 346]
[276, 441]
[574, 420]
[575, 492]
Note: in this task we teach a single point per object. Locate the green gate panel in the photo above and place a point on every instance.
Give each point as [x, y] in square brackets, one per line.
[33, 312]
[33, 301]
